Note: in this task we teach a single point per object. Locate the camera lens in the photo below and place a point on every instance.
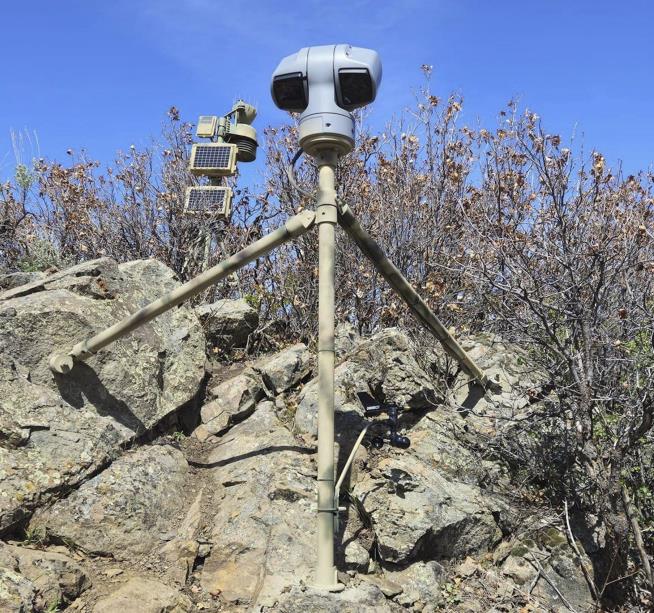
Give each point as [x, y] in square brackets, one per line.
[289, 93]
[356, 87]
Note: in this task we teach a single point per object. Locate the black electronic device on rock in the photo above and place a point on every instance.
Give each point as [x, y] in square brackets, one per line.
[373, 408]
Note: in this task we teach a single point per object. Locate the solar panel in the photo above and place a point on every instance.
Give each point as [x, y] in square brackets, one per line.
[209, 199]
[215, 159]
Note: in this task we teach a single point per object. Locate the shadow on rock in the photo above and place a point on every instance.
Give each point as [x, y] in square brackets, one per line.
[252, 454]
[83, 382]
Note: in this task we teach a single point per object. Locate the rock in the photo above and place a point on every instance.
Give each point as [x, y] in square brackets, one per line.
[126, 510]
[16, 279]
[284, 369]
[180, 553]
[508, 366]
[345, 339]
[227, 323]
[54, 578]
[440, 438]
[140, 595]
[362, 598]
[45, 443]
[384, 364]
[468, 567]
[348, 413]
[265, 499]
[420, 582]
[559, 562]
[234, 400]
[418, 514]
[202, 434]
[388, 587]
[56, 430]
[518, 569]
[17, 594]
[356, 556]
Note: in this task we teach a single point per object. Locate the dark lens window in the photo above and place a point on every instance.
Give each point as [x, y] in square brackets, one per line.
[289, 92]
[356, 86]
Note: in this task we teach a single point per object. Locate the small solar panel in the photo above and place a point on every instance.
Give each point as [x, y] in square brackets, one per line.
[215, 159]
[209, 199]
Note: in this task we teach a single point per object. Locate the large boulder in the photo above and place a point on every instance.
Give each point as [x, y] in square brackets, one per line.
[56, 430]
[227, 323]
[263, 543]
[127, 510]
[420, 514]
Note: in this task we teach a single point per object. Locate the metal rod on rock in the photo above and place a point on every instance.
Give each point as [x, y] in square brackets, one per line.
[296, 226]
[403, 288]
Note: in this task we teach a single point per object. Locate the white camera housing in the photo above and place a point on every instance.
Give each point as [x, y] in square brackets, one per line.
[325, 84]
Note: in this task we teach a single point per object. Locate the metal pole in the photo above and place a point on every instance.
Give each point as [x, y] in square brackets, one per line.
[397, 281]
[326, 219]
[295, 226]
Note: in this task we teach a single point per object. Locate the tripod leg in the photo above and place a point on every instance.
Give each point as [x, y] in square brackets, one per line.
[403, 288]
[294, 227]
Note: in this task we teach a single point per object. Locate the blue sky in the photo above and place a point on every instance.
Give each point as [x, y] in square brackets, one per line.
[101, 75]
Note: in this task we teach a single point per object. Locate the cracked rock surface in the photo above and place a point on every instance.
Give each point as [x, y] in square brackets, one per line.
[58, 430]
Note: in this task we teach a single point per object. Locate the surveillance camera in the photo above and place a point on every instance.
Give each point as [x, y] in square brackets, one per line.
[325, 84]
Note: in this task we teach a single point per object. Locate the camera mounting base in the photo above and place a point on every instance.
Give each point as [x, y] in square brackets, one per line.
[315, 144]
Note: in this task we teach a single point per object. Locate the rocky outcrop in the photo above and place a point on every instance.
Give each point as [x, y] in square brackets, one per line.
[420, 514]
[383, 364]
[264, 484]
[128, 509]
[234, 399]
[57, 430]
[227, 323]
[123, 513]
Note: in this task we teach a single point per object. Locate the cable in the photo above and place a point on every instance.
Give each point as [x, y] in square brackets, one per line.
[290, 172]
